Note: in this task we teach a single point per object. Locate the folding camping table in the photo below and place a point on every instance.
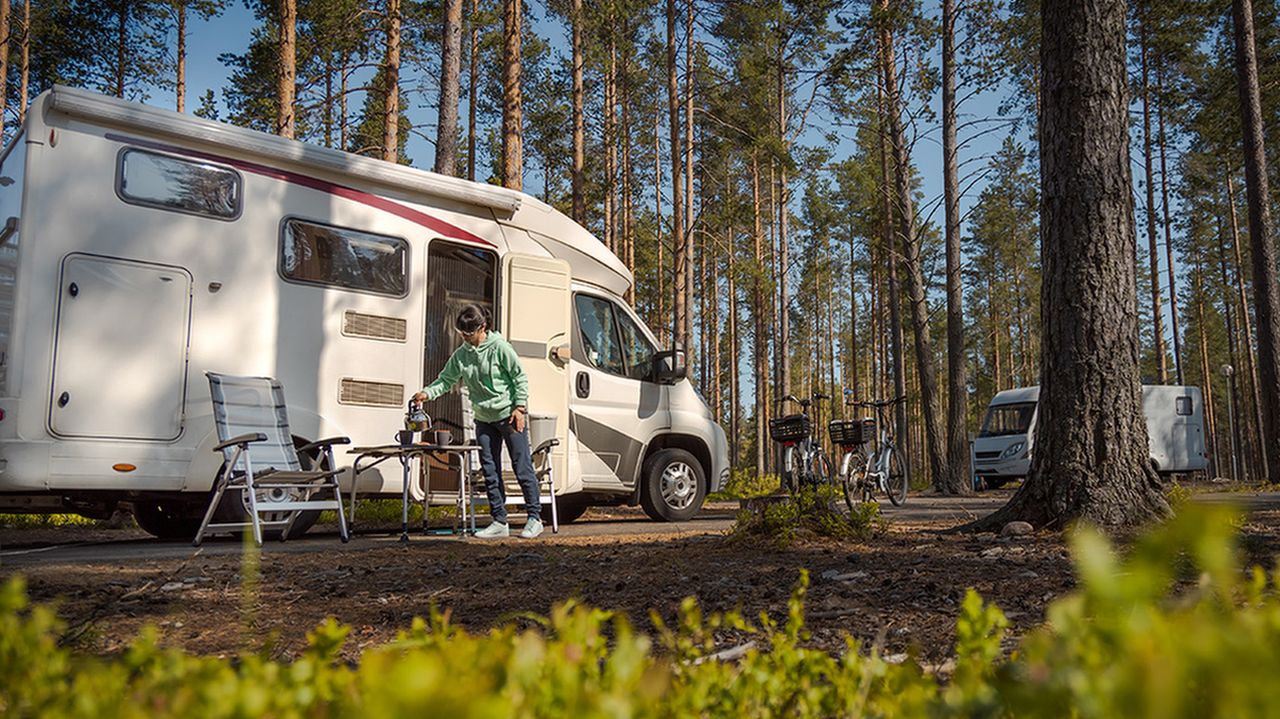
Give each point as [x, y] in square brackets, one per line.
[406, 454]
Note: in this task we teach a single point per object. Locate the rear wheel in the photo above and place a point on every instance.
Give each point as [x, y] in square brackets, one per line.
[820, 468]
[896, 482]
[850, 479]
[789, 469]
[168, 519]
[673, 487]
[234, 506]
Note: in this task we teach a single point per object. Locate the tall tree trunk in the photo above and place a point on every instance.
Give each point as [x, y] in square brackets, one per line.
[328, 101]
[512, 119]
[894, 299]
[391, 75]
[1206, 373]
[688, 176]
[784, 265]
[628, 208]
[24, 66]
[181, 83]
[579, 131]
[854, 385]
[758, 313]
[608, 140]
[1239, 441]
[680, 319]
[956, 480]
[1091, 460]
[287, 69]
[657, 225]
[1157, 319]
[450, 67]
[472, 83]
[912, 262]
[1168, 232]
[1254, 406]
[1266, 290]
[735, 351]
[4, 63]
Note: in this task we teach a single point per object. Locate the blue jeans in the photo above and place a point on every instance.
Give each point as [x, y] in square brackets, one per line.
[491, 436]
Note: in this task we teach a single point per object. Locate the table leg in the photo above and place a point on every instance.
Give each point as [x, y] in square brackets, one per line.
[404, 504]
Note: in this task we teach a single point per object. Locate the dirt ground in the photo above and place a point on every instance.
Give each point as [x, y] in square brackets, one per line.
[901, 589]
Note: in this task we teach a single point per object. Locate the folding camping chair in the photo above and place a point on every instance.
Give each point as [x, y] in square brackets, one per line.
[261, 462]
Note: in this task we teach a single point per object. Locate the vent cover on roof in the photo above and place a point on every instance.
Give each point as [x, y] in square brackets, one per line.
[370, 394]
[376, 327]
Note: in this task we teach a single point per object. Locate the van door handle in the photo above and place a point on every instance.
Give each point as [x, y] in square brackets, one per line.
[583, 383]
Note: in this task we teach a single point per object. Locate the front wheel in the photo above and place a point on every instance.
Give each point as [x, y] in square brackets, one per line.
[895, 483]
[820, 469]
[673, 486]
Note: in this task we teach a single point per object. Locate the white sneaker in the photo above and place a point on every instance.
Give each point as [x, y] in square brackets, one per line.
[532, 528]
[495, 529]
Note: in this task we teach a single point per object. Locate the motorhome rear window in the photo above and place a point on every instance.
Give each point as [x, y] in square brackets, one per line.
[172, 183]
[1183, 406]
[317, 254]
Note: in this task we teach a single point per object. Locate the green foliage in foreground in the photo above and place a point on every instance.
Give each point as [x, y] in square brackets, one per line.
[1175, 629]
[812, 512]
[29, 521]
[745, 483]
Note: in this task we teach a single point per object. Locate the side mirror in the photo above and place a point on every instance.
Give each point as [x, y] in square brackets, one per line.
[669, 366]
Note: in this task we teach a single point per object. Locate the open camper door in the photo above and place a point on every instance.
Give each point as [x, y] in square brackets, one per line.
[535, 321]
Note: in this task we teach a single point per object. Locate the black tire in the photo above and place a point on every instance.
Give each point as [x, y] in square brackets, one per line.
[851, 483]
[569, 508]
[788, 476]
[896, 482]
[673, 487]
[820, 471]
[168, 519]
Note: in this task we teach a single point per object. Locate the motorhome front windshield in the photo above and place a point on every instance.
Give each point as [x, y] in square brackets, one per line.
[1007, 419]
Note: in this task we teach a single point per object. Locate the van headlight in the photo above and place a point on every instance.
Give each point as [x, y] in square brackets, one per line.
[1012, 449]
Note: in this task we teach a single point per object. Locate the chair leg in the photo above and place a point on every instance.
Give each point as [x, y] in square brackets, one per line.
[213, 506]
[551, 479]
[253, 507]
[342, 520]
[352, 512]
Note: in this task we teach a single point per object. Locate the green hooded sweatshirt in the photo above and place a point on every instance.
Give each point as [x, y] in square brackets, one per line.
[495, 380]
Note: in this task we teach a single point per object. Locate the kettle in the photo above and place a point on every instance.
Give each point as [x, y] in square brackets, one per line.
[415, 417]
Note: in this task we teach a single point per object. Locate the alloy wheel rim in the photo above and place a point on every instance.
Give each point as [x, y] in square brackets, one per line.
[679, 485]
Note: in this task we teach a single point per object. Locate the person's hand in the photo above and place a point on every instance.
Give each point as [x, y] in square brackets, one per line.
[517, 420]
[419, 397]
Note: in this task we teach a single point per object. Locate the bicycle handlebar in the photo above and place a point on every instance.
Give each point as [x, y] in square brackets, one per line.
[877, 403]
[805, 402]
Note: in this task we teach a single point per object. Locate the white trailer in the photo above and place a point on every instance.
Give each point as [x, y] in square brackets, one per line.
[142, 247]
[1175, 432]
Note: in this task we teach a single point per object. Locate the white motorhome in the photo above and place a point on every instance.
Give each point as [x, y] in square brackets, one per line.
[1175, 432]
[142, 247]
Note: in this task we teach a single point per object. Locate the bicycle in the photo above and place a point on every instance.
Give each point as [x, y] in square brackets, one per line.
[881, 468]
[803, 461]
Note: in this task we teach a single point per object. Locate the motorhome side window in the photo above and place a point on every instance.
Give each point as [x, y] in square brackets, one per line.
[172, 183]
[611, 340]
[318, 254]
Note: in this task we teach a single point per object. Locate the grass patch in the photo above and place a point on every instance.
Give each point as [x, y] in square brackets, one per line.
[43, 521]
[809, 513]
[745, 484]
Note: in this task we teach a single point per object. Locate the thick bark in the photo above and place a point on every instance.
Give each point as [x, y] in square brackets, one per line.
[579, 124]
[24, 65]
[450, 67]
[680, 319]
[912, 262]
[956, 480]
[512, 120]
[180, 84]
[472, 83]
[689, 249]
[287, 69]
[1091, 461]
[391, 76]
[4, 63]
[1153, 254]
[894, 299]
[1266, 295]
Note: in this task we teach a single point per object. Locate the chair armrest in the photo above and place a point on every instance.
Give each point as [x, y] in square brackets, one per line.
[546, 445]
[244, 439]
[323, 443]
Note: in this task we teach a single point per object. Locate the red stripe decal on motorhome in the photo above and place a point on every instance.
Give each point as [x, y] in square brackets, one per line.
[348, 193]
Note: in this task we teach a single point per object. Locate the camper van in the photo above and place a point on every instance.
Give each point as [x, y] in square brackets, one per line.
[1175, 433]
[141, 248]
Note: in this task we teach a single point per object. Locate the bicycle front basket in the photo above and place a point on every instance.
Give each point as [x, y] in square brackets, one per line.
[792, 428]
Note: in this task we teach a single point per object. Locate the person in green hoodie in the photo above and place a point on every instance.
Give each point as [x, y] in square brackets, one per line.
[499, 392]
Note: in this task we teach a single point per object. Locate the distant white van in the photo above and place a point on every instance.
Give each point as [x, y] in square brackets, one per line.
[1175, 430]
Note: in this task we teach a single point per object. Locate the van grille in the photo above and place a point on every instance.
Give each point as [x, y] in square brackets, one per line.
[377, 327]
[986, 455]
[371, 394]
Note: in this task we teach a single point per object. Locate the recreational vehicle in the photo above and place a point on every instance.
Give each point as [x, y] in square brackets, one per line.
[142, 248]
[1175, 433]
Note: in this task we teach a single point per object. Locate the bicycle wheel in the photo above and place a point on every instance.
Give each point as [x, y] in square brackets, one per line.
[820, 468]
[789, 469]
[895, 484]
[850, 479]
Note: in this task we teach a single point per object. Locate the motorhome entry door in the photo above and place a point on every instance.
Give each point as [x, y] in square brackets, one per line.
[120, 352]
[536, 323]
